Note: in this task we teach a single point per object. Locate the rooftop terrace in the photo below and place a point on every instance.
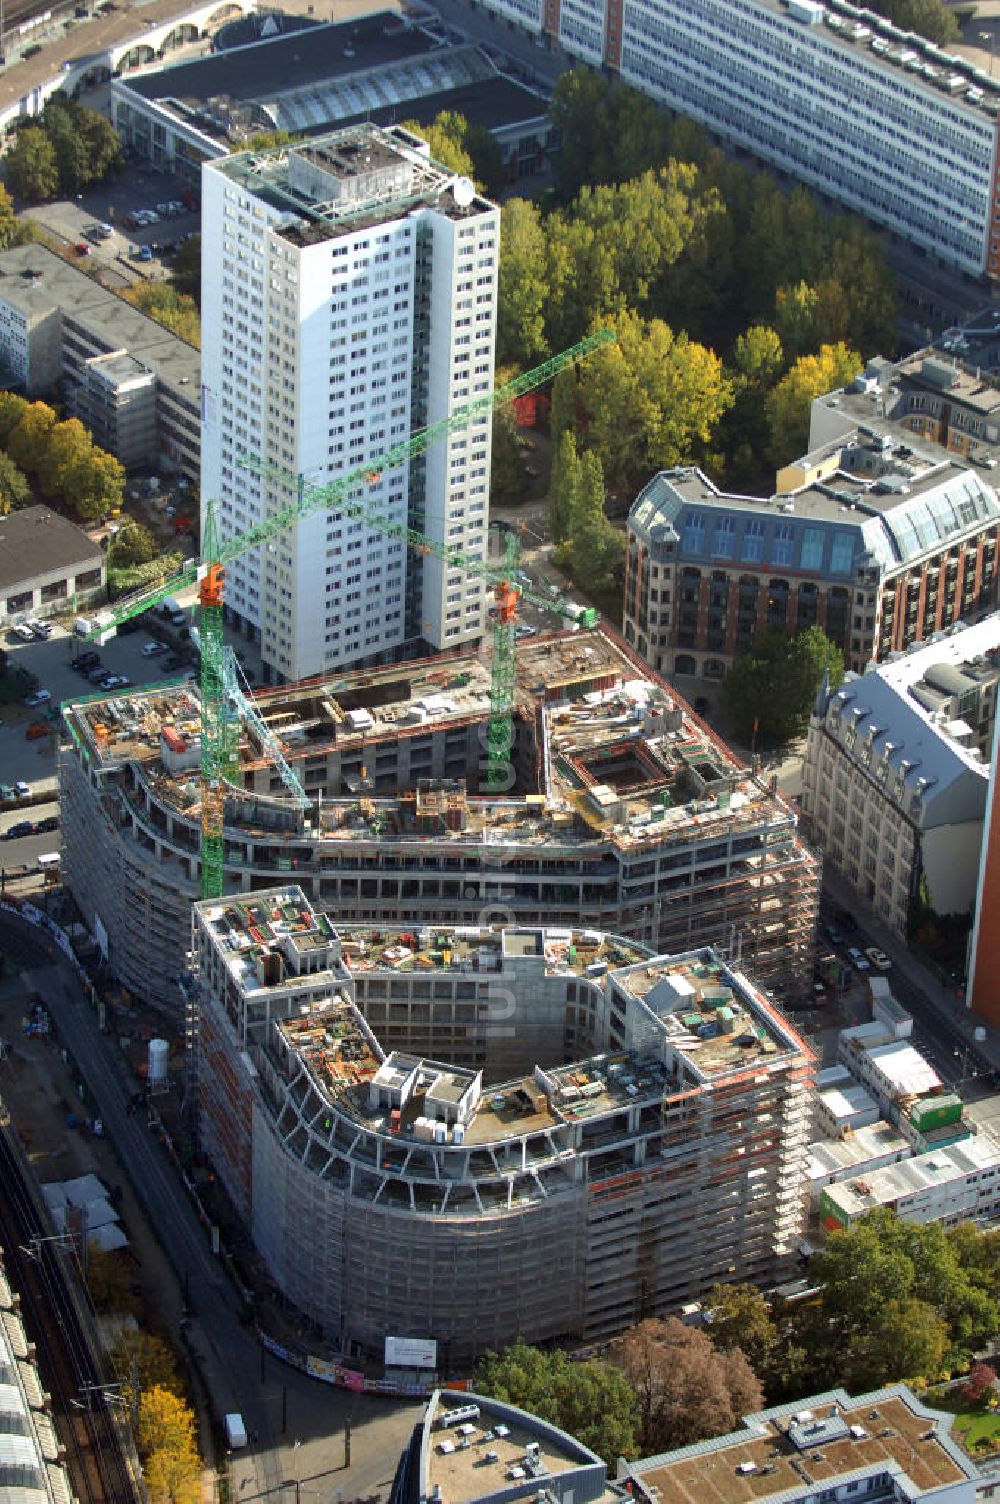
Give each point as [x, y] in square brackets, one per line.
[740, 1468]
[623, 756]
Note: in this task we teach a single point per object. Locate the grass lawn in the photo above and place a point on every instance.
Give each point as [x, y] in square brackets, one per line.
[973, 1425]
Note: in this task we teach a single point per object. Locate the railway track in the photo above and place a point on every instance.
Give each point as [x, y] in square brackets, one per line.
[96, 1459]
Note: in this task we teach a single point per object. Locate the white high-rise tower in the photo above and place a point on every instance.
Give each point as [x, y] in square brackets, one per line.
[350, 290]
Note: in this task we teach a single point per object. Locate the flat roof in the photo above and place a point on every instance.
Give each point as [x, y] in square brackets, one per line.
[626, 759]
[761, 1461]
[38, 541]
[842, 1155]
[498, 1440]
[924, 1172]
[35, 280]
[267, 67]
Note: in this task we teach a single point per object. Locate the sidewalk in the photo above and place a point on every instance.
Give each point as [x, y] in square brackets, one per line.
[943, 1001]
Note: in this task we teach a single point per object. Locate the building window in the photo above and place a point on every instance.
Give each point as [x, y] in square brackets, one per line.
[842, 553]
[812, 549]
[753, 542]
[724, 540]
[781, 545]
[694, 533]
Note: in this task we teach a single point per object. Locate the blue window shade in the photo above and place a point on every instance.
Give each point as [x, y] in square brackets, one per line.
[724, 541]
[753, 542]
[812, 548]
[842, 553]
[693, 541]
[781, 544]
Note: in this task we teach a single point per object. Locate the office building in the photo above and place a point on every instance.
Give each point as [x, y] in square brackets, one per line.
[381, 68]
[875, 118]
[473, 1134]
[130, 381]
[884, 1447]
[895, 783]
[626, 814]
[960, 1183]
[351, 302]
[468, 1447]
[46, 562]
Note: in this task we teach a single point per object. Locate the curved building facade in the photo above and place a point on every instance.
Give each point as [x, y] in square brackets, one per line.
[625, 813]
[473, 1134]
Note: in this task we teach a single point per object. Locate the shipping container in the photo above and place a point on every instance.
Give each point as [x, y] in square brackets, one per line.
[936, 1112]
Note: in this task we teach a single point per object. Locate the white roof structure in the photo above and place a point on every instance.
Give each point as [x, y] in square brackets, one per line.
[904, 1069]
[843, 1102]
[879, 711]
[896, 1185]
[842, 1157]
[29, 1448]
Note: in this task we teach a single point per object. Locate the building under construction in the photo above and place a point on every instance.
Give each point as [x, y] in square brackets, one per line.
[624, 813]
[473, 1134]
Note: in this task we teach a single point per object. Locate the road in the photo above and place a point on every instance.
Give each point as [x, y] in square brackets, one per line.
[309, 1448]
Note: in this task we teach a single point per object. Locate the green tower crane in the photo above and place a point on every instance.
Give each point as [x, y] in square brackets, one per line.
[347, 496]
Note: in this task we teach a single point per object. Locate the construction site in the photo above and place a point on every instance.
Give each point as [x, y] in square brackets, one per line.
[624, 812]
[480, 1133]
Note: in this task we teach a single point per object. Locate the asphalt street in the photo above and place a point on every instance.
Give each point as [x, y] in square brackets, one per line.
[298, 1421]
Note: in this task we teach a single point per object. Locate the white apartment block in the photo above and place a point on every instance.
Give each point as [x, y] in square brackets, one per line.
[350, 299]
[874, 117]
[894, 779]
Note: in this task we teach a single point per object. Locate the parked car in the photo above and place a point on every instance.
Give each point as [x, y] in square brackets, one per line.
[21, 789]
[150, 649]
[36, 730]
[115, 681]
[83, 662]
[39, 697]
[22, 630]
[97, 673]
[82, 248]
[144, 253]
[857, 960]
[7, 792]
[833, 934]
[22, 828]
[42, 630]
[42, 827]
[878, 958]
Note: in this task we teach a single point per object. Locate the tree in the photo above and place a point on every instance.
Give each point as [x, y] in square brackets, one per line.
[594, 550]
[174, 310]
[607, 132]
[908, 1340]
[522, 291]
[796, 318]
[741, 1317]
[685, 1388]
[31, 166]
[507, 473]
[27, 444]
[788, 406]
[446, 143]
[770, 690]
[168, 1448]
[185, 275]
[95, 486]
[12, 410]
[652, 400]
[151, 1361]
[15, 492]
[928, 18]
[67, 445]
[563, 486]
[593, 1401]
[10, 226]
[133, 544]
[110, 1277]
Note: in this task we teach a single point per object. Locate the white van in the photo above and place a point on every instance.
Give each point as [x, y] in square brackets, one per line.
[49, 862]
[82, 626]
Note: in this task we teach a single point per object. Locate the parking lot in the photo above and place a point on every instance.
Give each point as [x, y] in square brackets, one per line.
[135, 188]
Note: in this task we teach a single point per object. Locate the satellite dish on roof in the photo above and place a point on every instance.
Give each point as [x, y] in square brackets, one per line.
[463, 192]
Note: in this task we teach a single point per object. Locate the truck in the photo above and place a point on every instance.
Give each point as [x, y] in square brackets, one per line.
[236, 1431]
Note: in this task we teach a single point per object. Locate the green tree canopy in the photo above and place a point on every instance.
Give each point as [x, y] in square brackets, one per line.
[741, 1317]
[133, 544]
[185, 274]
[12, 409]
[685, 1388]
[508, 478]
[593, 553]
[770, 690]
[66, 446]
[468, 149]
[523, 284]
[651, 400]
[15, 491]
[174, 310]
[789, 404]
[607, 132]
[27, 443]
[928, 18]
[593, 1401]
[31, 166]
